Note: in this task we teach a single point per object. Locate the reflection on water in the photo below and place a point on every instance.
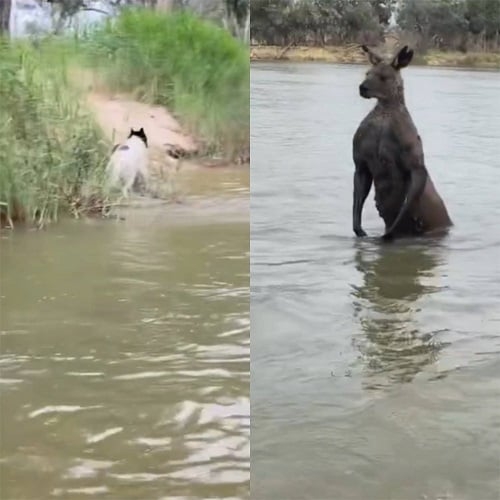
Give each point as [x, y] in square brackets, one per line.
[375, 367]
[394, 278]
[125, 358]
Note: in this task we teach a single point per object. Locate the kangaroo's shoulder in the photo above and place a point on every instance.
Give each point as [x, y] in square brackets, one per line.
[405, 131]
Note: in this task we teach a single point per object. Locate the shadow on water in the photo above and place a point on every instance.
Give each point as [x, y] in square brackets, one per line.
[394, 278]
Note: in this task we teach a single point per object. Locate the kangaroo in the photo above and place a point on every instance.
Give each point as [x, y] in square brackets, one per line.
[388, 152]
[129, 162]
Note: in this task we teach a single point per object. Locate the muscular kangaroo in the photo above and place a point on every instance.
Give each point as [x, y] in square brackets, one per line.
[388, 153]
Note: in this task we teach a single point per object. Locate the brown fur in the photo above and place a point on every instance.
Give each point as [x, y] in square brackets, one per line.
[388, 153]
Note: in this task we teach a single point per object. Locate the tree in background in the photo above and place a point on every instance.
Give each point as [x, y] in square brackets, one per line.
[316, 22]
[483, 21]
[443, 24]
[234, 15]
[4, 16]
[237, 18]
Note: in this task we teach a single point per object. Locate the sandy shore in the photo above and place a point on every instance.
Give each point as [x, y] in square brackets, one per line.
[353, 55]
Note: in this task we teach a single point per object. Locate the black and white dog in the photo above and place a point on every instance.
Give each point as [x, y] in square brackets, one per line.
[129, 162]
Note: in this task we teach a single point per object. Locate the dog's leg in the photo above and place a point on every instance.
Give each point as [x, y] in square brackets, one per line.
[142, 179]
[145, 183]
[129, 182]
[126, 188]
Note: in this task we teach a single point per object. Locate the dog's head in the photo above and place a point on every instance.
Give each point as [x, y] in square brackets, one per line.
[139, 133]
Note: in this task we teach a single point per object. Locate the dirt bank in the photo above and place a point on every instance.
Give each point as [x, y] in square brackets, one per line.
[353, 55]
[116, 114]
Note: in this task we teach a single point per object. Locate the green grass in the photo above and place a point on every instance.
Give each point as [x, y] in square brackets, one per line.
[52, 152]
[52, 155]
[197, 70]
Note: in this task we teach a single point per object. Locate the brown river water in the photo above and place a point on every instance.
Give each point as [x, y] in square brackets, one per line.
[375, 368]
[125, 350]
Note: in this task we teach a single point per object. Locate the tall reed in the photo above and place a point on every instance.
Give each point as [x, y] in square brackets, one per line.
[52, 155]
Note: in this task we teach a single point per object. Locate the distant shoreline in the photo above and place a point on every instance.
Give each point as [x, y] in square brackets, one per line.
[351, 55]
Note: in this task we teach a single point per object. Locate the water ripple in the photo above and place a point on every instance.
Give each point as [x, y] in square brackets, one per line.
[135, 376]
[360, 348]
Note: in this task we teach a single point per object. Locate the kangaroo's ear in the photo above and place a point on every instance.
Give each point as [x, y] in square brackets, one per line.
[372, 57]
[403, 58]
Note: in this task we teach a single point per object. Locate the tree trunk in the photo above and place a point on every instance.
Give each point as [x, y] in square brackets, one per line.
[246, 31]
[4, 16]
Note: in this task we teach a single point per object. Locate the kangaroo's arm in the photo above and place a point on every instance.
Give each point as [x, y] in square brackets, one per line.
[362, 185]
[412, 161]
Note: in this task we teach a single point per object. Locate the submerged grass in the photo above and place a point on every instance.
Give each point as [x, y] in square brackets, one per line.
[52, 155]
[196, 69]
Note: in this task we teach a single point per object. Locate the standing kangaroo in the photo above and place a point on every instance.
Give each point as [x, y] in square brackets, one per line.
[387, 152]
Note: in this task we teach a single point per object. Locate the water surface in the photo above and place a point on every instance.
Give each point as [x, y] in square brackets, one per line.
[375, 369]
[124, 360]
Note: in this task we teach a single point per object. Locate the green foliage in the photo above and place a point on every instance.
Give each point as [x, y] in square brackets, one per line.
[195, 68]
[443, 24]
[451, 23]
[483, 16]
[316, 21]
[51, 152]
[445, 17]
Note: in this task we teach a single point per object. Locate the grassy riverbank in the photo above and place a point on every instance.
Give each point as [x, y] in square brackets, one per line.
[197, 70]
[352, 55]
[52, 152]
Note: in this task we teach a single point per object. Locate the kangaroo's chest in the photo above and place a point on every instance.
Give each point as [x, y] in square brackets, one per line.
[378, 149]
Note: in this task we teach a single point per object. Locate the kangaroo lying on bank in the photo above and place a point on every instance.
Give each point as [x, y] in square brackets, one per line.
[129, 162]
[387, 152]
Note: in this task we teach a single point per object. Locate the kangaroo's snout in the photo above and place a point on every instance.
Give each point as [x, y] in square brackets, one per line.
[363, 90]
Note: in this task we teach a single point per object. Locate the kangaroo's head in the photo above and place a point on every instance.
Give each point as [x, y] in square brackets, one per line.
[383, 80]
[139, 133]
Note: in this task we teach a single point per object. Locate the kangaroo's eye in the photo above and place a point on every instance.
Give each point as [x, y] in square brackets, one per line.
[383, 78]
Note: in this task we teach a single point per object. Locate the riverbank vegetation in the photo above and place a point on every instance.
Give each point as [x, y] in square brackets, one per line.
[197, 70]
[51, 150]
[447, 32]
[53, 154]
[351, 54]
